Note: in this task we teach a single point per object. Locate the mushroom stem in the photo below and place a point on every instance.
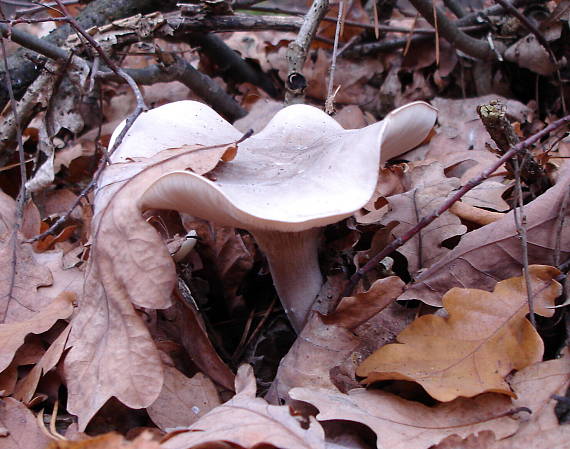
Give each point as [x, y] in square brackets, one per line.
[294, 264]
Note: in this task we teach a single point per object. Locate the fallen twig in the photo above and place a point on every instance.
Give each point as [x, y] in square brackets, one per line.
[140, 107]
[355, 278]
[470, 46]
[181, 70]
[297, 51]
[329, 103]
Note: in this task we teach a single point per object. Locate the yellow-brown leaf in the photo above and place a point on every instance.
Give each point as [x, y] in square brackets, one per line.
[484, 338]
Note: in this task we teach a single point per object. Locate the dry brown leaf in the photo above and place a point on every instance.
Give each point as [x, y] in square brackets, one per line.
[225, 251]
[530, 54]
[489, 195]
[248, 421]
[427, 188]
[461, 135]
[8, 379]
[182, 400]
[402, 424]
[184, 323]
[534, 387]
[64, 279]
[540, 429]
[326, 342]
[493, 252]
[27, 386]
[472, 214]
[21, 427]
[20, 276]
[109, 441]
[107, 336]
[485, 337]
[12, 334]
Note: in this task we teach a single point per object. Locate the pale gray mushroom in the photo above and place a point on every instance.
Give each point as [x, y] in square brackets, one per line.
[302, 172]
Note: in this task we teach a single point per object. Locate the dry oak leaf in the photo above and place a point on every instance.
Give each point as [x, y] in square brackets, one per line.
[12, 335]
[27, 386]
[494, 252]
[20, 276]
[534, 387]
[247, 421]
[129, 266]
[428, 188]
[326, 341]
[19, 428]
[183, 400]
[484, 338]
[110, 440]
[402, 424]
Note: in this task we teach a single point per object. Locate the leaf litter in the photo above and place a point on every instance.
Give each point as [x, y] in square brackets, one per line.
[167, 337]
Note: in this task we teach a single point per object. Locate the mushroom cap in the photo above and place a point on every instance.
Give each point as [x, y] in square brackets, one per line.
[303, 170]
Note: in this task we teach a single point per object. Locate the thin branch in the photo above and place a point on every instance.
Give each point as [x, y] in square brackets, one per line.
[41, 7]
[139, 109]
[355, 278]
[180, 25]
[298, 49]
[33, 43]
[520, 224]
[494, 118]
[181, 70]
[329, 103]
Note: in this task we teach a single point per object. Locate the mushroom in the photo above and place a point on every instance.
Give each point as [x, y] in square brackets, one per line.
[302, 172]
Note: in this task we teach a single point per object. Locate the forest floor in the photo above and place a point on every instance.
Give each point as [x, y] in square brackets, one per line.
[298, 224]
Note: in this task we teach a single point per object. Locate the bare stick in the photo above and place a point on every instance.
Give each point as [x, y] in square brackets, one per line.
[355, 278]
[298, 49]
[329, 103]
[494, 118]
[520, 224]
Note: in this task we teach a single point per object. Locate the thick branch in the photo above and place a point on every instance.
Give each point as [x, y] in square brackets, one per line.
[202, 85]
[230, 64]
[236, 22]
[470, 46]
